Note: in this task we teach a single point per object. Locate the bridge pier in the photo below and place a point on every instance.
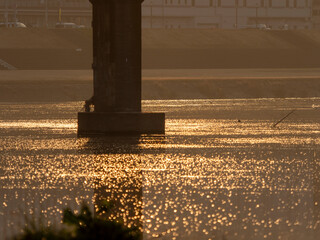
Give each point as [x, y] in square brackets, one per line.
[117, 73]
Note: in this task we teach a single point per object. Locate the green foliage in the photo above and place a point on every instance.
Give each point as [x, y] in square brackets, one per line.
[43, 233]
[83, 226]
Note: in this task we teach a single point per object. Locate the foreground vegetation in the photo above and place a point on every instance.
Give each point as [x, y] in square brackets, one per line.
[83, 226]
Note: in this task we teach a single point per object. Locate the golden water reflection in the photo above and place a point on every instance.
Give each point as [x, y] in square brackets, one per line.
[220, 172]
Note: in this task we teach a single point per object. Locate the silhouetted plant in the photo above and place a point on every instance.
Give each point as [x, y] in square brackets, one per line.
[43, 233]
[84, 225]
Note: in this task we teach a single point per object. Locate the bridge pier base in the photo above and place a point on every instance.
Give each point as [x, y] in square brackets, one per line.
[116, 67]
[120, 123]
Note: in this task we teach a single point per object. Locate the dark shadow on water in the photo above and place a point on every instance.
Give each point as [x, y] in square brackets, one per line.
[132, 144]
[123, 185]
[125, 195]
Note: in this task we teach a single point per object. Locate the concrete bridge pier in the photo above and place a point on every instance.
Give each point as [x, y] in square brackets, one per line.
[117, 73]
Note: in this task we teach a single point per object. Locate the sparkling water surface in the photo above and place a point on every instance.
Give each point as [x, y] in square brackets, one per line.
[221, 171]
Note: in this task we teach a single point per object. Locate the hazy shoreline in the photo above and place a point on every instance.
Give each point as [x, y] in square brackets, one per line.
[76, 85]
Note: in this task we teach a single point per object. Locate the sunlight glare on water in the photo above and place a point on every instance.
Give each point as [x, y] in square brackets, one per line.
[220, 172]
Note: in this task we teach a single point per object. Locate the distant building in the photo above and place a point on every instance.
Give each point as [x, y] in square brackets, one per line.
[316, 14]
[228, 14]
[43, 13]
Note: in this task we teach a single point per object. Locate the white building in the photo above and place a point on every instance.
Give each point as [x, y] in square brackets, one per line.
[173, 13]
[229, 14]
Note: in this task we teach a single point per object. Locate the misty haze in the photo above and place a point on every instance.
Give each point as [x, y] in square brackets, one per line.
[168, 119]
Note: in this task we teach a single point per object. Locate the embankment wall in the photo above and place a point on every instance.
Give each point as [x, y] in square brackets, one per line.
[167, 48]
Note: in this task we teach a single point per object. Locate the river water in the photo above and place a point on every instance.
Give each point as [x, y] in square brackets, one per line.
[221, 171]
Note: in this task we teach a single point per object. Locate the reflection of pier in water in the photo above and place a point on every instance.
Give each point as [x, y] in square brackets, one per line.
[124, 191]
[122, 181]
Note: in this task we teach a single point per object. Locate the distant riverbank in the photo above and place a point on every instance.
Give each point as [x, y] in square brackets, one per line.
[58, 49]
[76, 85]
